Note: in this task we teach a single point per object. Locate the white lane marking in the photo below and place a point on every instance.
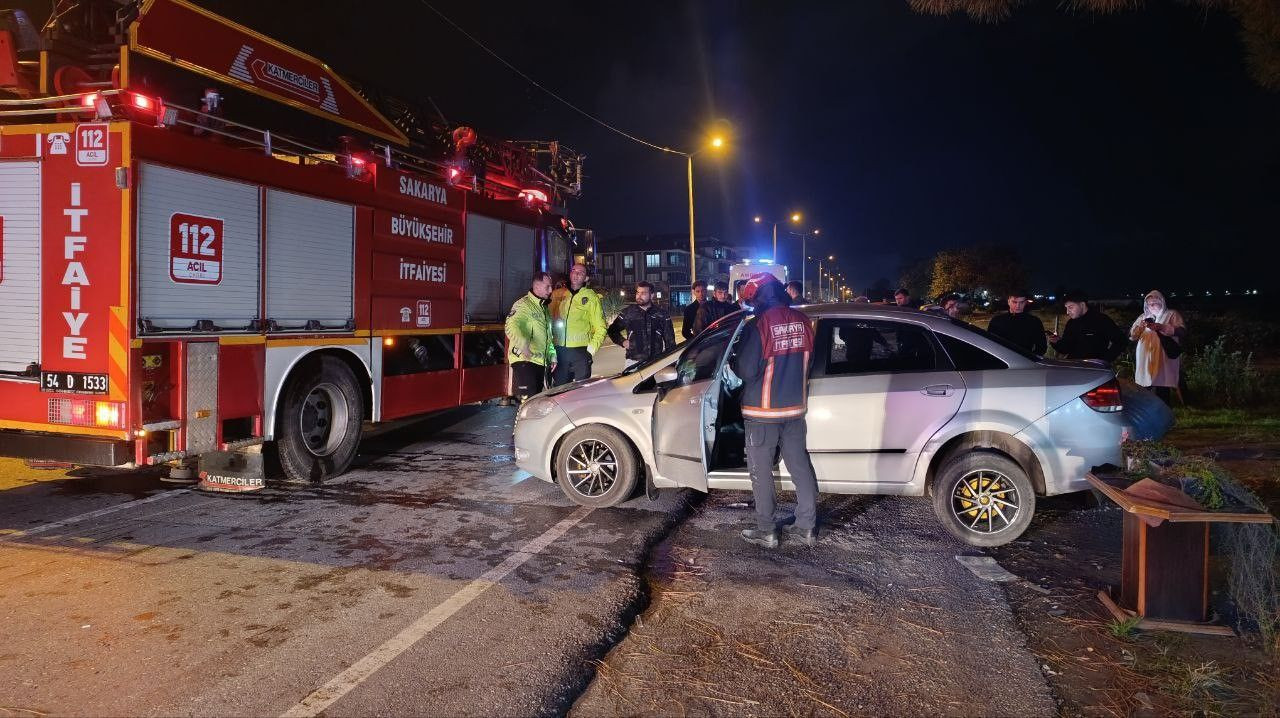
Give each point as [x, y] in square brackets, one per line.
[14, 536]
[360, 671]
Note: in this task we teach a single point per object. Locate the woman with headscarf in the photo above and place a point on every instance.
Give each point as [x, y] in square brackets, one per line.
[1159, 332]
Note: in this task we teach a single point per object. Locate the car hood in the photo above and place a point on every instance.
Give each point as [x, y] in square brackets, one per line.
[576, 385]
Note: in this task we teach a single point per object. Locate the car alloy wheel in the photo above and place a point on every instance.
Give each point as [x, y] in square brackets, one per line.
[592, 467]
[985, 501]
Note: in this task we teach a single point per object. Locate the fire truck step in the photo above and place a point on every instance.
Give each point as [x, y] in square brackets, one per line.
[242, 443]
[165, 457]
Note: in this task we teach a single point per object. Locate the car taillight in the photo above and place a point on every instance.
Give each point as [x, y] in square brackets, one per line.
[1105, 397]
[87, 412]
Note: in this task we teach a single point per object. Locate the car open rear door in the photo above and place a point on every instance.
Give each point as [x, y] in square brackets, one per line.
[684, 414]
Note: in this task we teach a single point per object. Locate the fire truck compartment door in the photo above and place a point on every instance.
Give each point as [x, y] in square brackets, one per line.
[198, 249]
[310, 246]
[19, 265]
[484, 270]
[518, 259]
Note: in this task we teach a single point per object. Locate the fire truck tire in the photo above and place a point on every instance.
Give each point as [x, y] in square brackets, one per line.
[318, 427]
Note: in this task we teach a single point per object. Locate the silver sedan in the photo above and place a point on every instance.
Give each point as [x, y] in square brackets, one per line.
[900, 402]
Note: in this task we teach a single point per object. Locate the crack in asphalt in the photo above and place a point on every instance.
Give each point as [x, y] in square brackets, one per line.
[620, 625]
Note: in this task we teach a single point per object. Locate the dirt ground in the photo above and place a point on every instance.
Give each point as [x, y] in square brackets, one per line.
[878, 620]
[1096, 667]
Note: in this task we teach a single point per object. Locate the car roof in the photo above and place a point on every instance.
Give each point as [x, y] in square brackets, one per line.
[862, 309]
[933, 320]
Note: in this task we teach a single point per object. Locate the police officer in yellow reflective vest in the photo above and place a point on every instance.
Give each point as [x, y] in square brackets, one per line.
[577, 325]
[529, 337]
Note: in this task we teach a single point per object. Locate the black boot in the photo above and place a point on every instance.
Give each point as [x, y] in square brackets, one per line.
[808, 537]
[768, 539]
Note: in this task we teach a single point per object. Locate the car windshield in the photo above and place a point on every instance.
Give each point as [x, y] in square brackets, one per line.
[658, 359]
[727, 320]
[1020, 350]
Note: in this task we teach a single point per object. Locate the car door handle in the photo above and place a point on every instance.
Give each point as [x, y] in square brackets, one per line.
[938, 390]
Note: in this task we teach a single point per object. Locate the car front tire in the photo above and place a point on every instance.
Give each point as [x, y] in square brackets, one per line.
[596, 467]
[983, 498]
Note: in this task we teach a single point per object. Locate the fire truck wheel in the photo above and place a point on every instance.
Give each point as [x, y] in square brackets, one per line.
[318, 428]
[596, 466]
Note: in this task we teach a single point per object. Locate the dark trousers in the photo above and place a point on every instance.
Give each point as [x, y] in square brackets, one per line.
[572, 364]
[763, 439]
[527, 379]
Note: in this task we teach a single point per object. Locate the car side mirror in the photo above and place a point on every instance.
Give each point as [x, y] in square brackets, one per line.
[666, 375]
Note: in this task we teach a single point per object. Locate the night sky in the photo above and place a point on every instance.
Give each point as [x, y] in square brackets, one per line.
[1119, 153]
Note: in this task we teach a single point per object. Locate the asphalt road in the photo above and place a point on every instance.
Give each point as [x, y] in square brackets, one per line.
[452, 583]
[437, 579]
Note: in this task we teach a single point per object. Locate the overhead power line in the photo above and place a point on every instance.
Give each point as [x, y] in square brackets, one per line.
[540, 86]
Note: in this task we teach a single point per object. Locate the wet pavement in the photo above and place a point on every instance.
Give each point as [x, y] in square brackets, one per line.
[124, 596]
[435, 578]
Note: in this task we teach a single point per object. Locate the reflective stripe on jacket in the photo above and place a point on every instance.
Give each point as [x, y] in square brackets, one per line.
[773, 363]
[528, 329]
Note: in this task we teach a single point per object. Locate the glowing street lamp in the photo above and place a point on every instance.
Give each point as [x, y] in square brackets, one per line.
[716, 142]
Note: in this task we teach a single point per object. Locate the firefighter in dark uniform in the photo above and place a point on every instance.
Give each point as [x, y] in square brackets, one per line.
[772, 361]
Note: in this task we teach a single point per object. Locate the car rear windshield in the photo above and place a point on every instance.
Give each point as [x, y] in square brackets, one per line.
[1021, 351]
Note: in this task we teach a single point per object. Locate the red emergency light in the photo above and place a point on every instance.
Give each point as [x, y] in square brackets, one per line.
[89, 99]
[142, 102]
[532, 196]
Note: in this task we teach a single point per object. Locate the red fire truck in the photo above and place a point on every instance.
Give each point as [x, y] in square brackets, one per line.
[180, 288]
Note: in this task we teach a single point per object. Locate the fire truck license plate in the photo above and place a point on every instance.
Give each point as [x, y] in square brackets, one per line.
[69, 382]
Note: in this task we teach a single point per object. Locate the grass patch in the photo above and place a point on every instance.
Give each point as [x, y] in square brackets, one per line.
[1124, 630]
[1264, 420]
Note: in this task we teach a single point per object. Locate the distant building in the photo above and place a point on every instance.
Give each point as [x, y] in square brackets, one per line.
[663, 261]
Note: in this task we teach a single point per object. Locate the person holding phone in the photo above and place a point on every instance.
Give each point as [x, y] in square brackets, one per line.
[1088, 334]
[1159, 332]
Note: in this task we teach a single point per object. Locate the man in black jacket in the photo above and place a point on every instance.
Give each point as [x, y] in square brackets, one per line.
[691, 309]
[1088, 334]
[648, 327]
[1020, 326]
[714, 308]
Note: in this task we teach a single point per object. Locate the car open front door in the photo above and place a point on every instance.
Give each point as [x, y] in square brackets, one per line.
[684, 414]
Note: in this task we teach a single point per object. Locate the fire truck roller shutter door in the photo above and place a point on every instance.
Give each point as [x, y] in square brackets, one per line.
[198, 241]
[309, 248]
[484, 271]
[19, 265]
[517, 262]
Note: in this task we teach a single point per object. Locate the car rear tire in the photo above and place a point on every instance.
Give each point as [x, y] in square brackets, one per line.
[318, 428]
[983, 498]
[596, 467]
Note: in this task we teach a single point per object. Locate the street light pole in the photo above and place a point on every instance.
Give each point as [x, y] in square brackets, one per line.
[693, 258]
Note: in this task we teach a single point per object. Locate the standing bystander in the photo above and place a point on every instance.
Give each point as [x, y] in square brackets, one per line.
[648, 328]
[1088, 334]
[1020, 326]
[711, 310]
[1160, 332]
[699, 292]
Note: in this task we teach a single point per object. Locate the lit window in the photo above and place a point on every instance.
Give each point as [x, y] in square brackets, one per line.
[675, 259]
[653, 259]
[628, 261]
